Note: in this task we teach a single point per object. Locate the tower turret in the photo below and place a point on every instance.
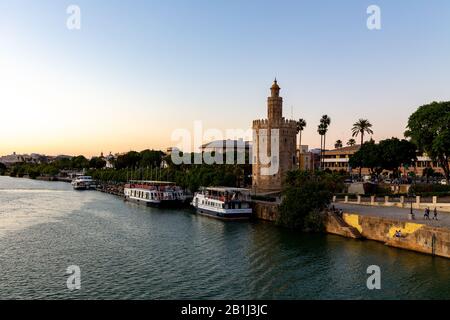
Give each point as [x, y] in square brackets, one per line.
[275, 104]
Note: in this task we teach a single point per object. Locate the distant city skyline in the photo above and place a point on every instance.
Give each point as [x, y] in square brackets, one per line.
[134, 73]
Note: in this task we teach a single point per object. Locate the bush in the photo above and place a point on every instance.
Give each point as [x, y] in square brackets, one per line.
[305, 196]
[314, 221]
[429, 188]
[383, 191]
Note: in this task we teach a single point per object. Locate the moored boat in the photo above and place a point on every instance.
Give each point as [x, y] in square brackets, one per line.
[83, 183]
[154, 193]
[223, 203]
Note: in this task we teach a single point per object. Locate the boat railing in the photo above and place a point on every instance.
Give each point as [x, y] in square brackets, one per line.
[228, 198]
[156, 188]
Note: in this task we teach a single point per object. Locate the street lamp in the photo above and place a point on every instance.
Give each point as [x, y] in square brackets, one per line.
[411, 212]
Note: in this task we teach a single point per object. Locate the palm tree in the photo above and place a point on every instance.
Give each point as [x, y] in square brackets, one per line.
[361, 127]
[324, 122]
[351, 142]
[301, 125]
[338, 144]
[322, 130]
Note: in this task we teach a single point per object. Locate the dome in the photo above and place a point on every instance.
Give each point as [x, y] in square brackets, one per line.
[275, 85]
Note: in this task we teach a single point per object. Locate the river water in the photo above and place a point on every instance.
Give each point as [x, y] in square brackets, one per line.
[126, 251]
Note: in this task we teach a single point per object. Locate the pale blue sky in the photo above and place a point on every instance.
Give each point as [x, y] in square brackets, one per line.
[137, 70]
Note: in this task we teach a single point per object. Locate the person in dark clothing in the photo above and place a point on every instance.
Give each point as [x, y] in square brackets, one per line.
[426, 215]
[435, 214]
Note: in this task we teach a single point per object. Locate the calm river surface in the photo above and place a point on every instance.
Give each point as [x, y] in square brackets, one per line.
[127, 251]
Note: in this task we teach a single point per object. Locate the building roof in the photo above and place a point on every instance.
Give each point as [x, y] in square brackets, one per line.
[343, 150]
[223, 144]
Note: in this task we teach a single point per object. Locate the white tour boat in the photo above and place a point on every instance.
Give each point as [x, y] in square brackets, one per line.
[223, 203]
[154, 193]
[83, 183]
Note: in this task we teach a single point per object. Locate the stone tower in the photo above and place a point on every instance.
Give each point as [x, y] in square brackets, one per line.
[273, 131]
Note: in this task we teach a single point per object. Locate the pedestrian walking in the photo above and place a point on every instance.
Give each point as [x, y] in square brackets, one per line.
[435, 214]
[427, 214]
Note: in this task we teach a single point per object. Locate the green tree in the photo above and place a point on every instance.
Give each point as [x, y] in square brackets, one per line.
[351, 142]
[305, 196]
[97, 163]
[150, 158]
[322, 131]
[429, 172]
[128, 160]
[2, 169]
[361, 127]
[429, 128]
[389, 154]
[62, 163]
[301, 125]
[368, 156]
[394, 153]
[338, 144]
[325, 122]
[79, 162]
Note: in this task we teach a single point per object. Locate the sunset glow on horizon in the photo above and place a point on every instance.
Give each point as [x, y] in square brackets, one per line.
[134, 74]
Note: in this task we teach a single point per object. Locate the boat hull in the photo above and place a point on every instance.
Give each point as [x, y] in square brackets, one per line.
[224, 216]
[157, 204]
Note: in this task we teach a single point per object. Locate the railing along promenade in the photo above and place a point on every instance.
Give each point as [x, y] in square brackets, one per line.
[417, 202]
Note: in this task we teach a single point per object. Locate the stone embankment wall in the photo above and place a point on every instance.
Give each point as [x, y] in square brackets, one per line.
[267, 211]
[336, 225]
[414, 236]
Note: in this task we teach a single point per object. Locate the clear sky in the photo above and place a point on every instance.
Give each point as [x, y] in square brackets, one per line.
[138, 69]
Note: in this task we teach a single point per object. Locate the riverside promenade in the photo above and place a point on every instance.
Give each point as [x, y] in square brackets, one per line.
[393, 226]
[396, 213]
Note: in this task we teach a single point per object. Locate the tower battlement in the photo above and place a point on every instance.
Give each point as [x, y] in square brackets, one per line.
[281, 123]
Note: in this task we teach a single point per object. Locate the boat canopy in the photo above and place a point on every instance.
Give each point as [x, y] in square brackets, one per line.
[165, 183]
[227, 189]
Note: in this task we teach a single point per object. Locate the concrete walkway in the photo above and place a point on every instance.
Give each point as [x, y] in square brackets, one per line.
[396, 213]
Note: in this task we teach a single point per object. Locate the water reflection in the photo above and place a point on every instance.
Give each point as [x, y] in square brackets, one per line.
[128, 251]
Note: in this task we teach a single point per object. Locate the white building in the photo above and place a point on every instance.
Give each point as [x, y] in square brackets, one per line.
[223, 146]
